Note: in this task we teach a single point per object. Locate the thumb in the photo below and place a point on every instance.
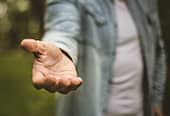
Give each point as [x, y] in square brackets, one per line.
[33, 46]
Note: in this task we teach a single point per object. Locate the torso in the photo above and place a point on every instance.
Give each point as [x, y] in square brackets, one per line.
[126, 89]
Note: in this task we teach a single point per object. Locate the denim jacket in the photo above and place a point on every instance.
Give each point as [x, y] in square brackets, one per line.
[87, 31]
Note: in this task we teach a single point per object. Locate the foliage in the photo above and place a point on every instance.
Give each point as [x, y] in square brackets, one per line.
[20, 19]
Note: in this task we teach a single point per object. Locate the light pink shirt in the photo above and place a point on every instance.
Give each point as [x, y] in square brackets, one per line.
[126, 91]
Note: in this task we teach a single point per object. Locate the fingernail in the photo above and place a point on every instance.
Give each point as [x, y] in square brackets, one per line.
[80, 79]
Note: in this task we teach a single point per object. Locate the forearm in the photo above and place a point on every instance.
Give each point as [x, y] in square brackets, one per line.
[62, 26]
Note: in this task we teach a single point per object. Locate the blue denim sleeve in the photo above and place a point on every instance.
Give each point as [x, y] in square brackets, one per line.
[62, 26]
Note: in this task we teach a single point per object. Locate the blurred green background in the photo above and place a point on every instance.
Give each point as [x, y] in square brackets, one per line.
[20, 19]
[24, 19]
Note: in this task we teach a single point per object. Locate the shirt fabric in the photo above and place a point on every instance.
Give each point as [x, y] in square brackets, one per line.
[126, 88]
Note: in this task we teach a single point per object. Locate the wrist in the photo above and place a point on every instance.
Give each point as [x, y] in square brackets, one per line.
[66, 54]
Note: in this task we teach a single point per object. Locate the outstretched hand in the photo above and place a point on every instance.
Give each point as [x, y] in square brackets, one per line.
[52, 69]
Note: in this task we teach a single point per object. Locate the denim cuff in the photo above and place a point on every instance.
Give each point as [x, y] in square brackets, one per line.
[68, 45]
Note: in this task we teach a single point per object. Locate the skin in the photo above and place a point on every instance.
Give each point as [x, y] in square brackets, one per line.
[52, 69]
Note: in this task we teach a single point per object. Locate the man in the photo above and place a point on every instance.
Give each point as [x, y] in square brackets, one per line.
[116, 47]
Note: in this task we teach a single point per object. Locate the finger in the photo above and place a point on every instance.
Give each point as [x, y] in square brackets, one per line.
[76, 82]
[50, 84]
[63, 83]
[37, 79]
[65, 86]
[33, 46]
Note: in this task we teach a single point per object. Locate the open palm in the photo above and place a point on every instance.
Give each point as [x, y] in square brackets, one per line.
[52, 69]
